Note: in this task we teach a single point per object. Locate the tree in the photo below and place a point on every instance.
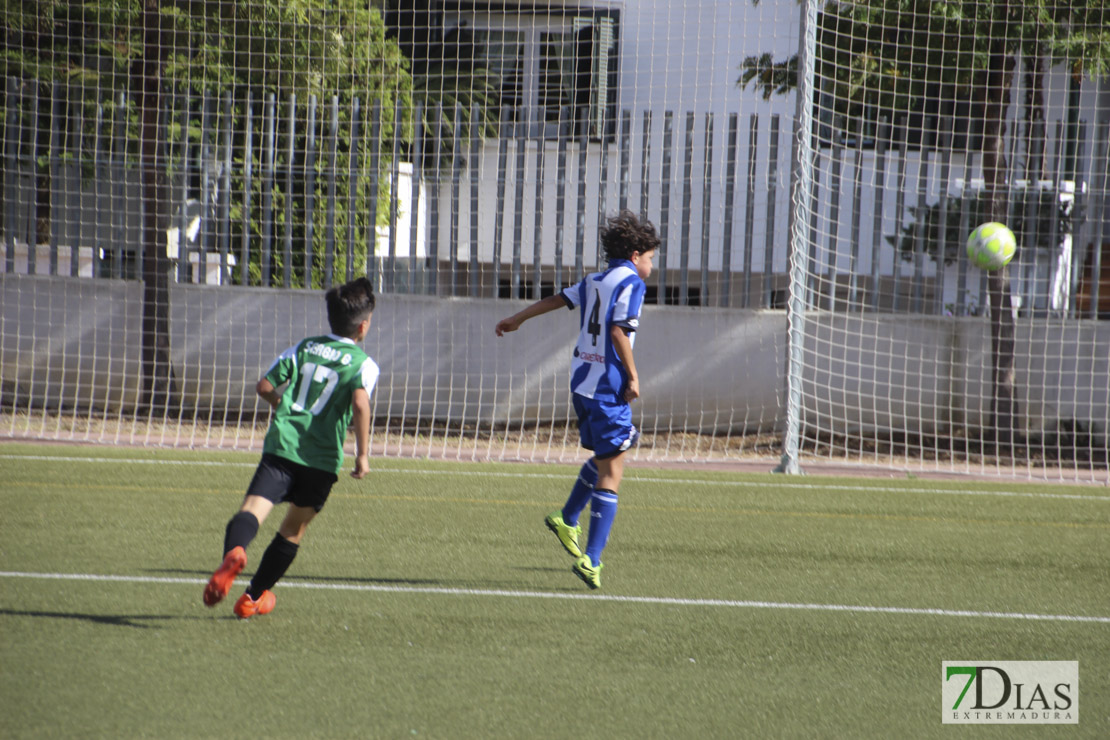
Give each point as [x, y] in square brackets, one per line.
[158, 390]
[327, 49]
[134, 50]
[98, 49]
[897, 57]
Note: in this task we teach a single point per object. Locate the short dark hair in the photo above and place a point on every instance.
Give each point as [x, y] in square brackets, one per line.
[349, 305]
[626, 233]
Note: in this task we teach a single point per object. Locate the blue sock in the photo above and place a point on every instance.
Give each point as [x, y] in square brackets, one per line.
[580, 494]
[603, 510]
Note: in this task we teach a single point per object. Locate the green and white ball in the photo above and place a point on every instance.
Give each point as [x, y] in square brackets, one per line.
[991, 246]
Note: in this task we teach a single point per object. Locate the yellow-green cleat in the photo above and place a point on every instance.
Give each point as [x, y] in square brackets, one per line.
[586, 570]
[567, 534]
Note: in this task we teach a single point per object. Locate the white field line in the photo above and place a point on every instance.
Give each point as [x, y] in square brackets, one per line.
[633, 478]
[657, 600]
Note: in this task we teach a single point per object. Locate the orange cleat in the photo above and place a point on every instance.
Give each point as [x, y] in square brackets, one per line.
[246, 607]
[220, 582]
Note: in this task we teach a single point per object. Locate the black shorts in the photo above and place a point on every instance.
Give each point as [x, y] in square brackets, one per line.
[280, 480]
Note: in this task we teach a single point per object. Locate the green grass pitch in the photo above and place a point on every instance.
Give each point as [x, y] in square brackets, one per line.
[430, 601]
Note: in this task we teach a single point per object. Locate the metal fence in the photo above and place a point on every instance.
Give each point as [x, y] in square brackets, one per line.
[301, 193]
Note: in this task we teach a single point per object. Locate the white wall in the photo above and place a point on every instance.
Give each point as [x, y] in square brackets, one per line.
[76, 343]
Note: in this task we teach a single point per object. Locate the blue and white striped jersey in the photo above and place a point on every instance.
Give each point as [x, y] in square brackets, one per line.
[604, 299]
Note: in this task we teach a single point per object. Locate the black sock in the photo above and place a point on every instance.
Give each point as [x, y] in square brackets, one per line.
[241, 529]
[275, 561]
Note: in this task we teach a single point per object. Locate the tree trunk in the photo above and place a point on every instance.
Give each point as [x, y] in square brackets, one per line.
[996, 91]
[1034, 121]
[158, 392]
[43, 188]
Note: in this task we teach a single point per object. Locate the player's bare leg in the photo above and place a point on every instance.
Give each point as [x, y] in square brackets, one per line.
[609, 472]
[258, 506]
[295, 523]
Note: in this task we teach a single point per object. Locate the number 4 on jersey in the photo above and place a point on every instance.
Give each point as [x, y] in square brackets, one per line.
[593, 325]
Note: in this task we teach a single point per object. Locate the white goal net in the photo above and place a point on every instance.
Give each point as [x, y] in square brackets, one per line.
[916, 123]
[182, 180]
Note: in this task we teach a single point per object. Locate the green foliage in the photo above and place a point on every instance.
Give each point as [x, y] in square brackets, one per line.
[893, 54]
[307, 181]
[305, 47]
[90, 43]
[302, 46]
[1032, 223]
[350, 231]
[768, 76]
[330, 49]
[925, 224]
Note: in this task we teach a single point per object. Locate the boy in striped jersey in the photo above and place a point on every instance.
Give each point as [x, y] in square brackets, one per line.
[603, 381]
[316, 388]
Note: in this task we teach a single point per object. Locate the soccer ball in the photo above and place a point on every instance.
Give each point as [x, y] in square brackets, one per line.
[991, 246]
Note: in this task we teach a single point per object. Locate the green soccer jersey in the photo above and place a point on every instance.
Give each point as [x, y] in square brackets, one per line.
[310, 422]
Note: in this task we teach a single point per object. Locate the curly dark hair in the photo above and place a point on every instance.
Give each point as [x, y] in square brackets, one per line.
[349, 305]
[626, 233]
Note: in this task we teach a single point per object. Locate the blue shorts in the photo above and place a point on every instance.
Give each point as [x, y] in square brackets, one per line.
[606, 428]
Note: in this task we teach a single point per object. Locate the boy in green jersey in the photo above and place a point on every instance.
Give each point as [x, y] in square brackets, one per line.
[316, 388]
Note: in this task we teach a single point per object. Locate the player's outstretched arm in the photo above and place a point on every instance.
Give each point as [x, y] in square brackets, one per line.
[360, 402]
[540, 307]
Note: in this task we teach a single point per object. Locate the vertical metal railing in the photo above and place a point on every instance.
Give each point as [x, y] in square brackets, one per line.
[299, 190]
